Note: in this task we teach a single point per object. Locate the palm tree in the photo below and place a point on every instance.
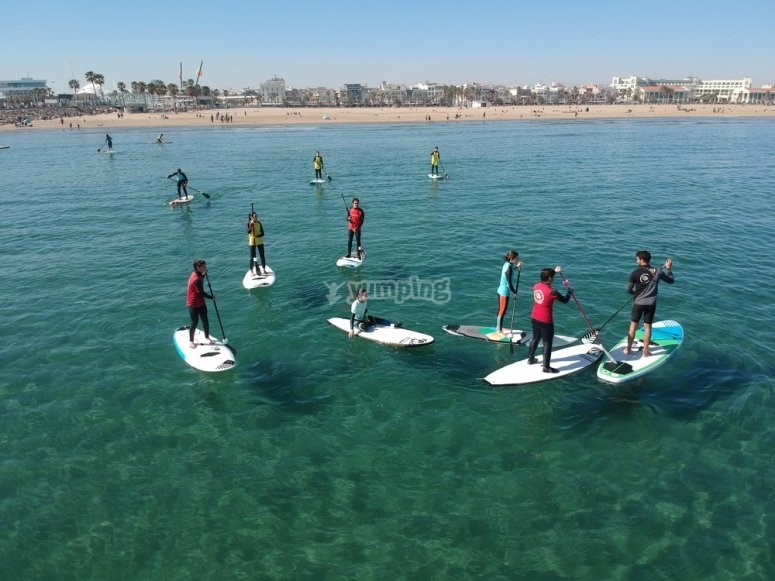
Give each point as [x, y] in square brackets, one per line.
[121, 86]
[91, 77]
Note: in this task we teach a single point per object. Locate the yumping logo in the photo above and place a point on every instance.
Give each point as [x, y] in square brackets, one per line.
[398, 290]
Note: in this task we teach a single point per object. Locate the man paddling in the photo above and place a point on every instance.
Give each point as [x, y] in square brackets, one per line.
[542, 317]
[317, 162]
[182, 182]
[644, 284]
[195, 300]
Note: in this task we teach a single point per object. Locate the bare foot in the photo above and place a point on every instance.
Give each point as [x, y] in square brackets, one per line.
[627, 351]
[646, 353]
[192, 345]
[212, 341]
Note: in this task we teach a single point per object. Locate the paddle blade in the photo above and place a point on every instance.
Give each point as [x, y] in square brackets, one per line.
[329, 178]
[205, 195]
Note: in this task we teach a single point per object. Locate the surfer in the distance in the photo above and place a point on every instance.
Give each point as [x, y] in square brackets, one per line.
[182, 182]
[195, 300]
[506, 286]
[355, 219]
[644, 284]
[542, 317]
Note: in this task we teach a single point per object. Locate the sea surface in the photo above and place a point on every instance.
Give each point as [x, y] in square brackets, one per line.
[323, 457]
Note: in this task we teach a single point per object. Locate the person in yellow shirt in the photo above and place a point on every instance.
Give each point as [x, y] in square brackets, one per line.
[317, 161]
[435, 159]
[256, 242]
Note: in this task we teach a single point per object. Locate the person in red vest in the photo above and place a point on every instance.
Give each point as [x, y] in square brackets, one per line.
[355, 218]
[195, 300]
[542, 317]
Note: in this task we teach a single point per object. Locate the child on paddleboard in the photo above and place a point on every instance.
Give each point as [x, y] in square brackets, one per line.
[506, 286]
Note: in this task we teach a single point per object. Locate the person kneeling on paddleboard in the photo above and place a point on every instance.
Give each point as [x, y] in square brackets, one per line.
[644, 284]
[542, 317]
[195, 300]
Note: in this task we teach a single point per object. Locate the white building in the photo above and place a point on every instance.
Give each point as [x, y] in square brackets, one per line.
[273, 92]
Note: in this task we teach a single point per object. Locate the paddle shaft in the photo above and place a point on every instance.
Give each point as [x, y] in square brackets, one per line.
[103, 145]
[514, 311]
[592, 328]
[217, 313]
[206, 195]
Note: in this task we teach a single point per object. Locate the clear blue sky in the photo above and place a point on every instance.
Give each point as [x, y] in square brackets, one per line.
[331, 43]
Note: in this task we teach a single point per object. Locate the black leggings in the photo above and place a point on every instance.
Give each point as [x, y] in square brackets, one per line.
[260, 248]
[182, 186]
[350, 234]
[197, 313]
[542, 332]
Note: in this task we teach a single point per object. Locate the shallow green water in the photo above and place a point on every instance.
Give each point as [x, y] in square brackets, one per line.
[323, 457]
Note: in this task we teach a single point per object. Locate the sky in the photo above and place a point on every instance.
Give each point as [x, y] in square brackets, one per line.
[310, 44]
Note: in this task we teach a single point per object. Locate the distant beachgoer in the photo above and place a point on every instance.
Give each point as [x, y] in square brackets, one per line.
[182, 182]
[317, 162]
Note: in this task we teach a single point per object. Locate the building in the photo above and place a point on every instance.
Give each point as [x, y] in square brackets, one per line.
[273, 92]
[23, 86]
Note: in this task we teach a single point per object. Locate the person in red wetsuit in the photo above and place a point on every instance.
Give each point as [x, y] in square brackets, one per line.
[195, 300]
[542, 317]
[355, 218]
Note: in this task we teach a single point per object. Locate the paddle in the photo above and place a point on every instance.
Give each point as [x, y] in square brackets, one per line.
[598, 342]
[587, 338]
[99, 149]
[514, 308]
[446, 175]
[328, 175]
[206, 195]
[218, 314]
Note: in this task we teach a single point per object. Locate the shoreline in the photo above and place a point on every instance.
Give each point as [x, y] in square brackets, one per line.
[265, 116]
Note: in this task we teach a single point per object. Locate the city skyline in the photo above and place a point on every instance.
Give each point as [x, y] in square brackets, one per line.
[406, 43]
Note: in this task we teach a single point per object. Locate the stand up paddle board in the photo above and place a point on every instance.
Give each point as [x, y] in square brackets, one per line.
[4, 146]
[351, 261]
[488, 334]
[180, 201]
[252, 280]
[666, 338]
[204, 356]
[109, 151]
[386, 333]
[434, 176]
[566, 361]
[317, 182]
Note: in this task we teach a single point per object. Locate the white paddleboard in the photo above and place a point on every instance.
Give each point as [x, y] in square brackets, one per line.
[434, 176]
[666, 339]
[567, 361]
[517, 336]
[179, 201]
[317, 182]
[385, 334]
[252, 280]
[204, 357]
[109, 151]
[352, 262]
[4, 146]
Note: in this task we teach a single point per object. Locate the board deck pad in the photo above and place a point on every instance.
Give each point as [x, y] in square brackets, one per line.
[666, 338]
[568, 361]
[205, 356]
[385, 334]
[179, 201]
[251, 280]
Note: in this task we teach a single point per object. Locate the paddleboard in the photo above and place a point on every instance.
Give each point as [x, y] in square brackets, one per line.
[252, 281]
[517, 337]
[179, 201]
[434, 176]
[385, 333]
[162, 142]
[666, 339]
[352, 261]
[317, 182]
[109, 151]
[5, 146]
[204, 357]
[566, 361]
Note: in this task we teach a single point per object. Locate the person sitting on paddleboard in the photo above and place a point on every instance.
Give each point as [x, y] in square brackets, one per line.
[506, 286]
[542, 318]
[317, 162]
[256, 242]
[160, 138]
[182, 182]
[358, 311]
[644, 284]
[195, 300]
[435, 159]
[355, 218]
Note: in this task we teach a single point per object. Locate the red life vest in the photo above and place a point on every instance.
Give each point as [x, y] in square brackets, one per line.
[356, 219]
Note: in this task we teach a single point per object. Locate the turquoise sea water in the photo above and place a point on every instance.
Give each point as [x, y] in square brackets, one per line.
[327, 458]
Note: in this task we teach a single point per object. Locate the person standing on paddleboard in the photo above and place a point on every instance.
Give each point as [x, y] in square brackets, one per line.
[542, 317]
[317, 162]
[355, 219]
[182, 180]
[195, 300]
[109, 141]
[644, 284]
[506, 286]
[435, 159]
[256, 242]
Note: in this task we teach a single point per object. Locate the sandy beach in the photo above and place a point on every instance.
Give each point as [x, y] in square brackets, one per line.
[286, 116]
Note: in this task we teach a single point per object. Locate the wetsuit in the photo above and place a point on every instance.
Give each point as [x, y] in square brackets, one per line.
[355, 219]
[644, 284]
[197, 308]
[542, 319]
